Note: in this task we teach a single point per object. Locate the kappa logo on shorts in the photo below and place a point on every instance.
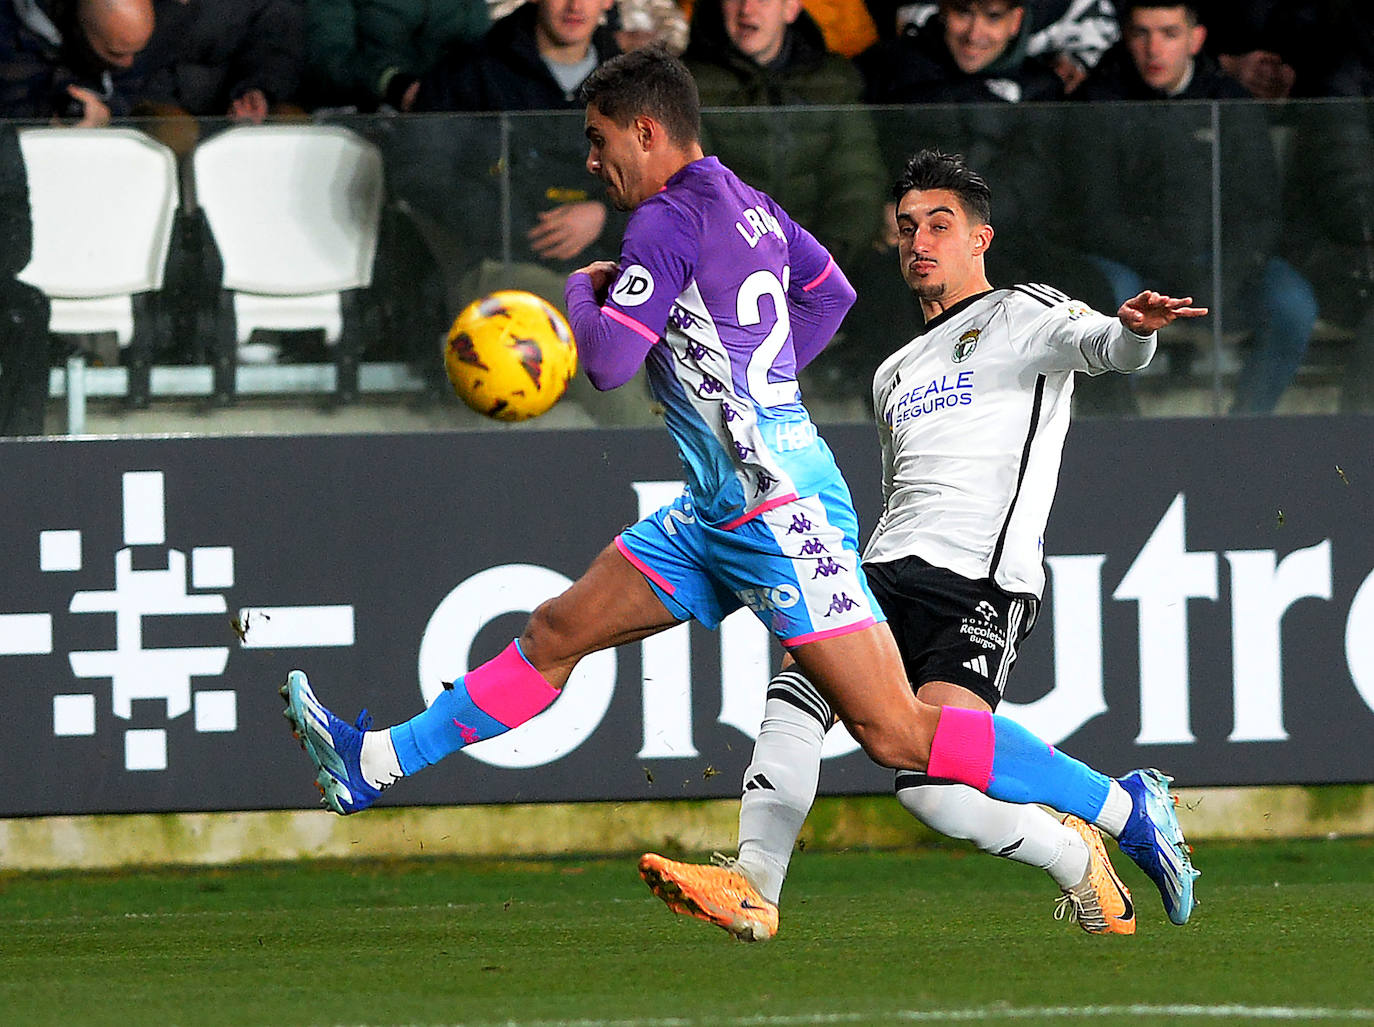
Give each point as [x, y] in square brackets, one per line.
[826, 567]
[634, 286]
[840, 603]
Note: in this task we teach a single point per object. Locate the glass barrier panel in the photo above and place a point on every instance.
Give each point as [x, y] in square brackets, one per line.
[1263, 213]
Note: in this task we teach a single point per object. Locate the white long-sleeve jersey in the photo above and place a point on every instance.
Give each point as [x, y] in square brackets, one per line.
[972, 414]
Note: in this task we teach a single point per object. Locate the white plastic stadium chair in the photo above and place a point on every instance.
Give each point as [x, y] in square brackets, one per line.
[294, 211]
[103, 202]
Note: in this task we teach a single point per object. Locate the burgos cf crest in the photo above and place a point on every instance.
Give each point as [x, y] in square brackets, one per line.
[968, 342]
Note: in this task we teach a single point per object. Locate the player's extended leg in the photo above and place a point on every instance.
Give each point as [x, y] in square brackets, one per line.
[1071, 853]
[998, 756]
[741, 895]
[995, 755]
[780, 787]
[781, 780]
[610, 605]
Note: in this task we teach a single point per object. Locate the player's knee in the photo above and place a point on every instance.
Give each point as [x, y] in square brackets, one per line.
[544, 640]
[887, 746]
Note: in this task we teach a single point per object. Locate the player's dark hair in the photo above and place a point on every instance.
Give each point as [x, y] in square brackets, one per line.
[648, 81]
[931, 169]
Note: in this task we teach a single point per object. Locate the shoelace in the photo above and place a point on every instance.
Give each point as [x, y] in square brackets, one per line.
[731, 864]
[1078, 910]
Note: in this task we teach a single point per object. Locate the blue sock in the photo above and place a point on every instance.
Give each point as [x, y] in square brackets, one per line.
[452, 721]
[1025, 768]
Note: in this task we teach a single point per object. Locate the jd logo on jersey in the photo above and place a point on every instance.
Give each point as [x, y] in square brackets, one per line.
[634, 286]
[968, 342]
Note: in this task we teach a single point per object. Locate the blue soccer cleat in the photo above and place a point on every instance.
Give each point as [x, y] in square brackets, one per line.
[1153, 839]
[333, 746]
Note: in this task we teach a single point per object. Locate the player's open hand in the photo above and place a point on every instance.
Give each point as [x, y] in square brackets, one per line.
[1151, 311]
[566, 230]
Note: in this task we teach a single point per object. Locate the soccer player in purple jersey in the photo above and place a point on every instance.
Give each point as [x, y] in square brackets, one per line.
[724, 298]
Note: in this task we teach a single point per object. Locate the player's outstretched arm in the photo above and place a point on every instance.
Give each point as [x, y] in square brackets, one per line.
[1150, 311]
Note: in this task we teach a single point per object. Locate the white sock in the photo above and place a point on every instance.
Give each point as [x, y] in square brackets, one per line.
[378, 761]
[1115, 811]
[780, 784]
[1024, 833]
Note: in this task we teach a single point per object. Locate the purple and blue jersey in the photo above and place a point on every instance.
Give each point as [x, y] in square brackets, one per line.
[724, 298]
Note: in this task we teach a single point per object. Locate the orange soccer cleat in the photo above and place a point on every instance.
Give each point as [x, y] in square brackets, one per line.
[1100, 903]
[716, 893]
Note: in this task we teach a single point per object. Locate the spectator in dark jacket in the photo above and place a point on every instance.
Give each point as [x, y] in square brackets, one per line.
[822, 165]
[366, 52]
[972, 51]
[220, 58]
[533, 59]
[1142, 177]
[24, 322]
[1067, 36]
[56, 57]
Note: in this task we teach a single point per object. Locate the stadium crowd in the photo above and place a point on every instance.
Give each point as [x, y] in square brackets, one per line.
[1096, 200]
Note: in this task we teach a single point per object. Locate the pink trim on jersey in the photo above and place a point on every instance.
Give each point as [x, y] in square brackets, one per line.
[638, 327]
[508, 688]
[643, 568]
[749, 515]
[816, 636]
[820, 277]
[963, 746]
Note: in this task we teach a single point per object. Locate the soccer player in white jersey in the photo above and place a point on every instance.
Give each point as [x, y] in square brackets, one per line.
[972, 415]
[723, 297]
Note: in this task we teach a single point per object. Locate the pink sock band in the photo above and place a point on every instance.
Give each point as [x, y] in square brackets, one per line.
[508, 689]
[962, 747]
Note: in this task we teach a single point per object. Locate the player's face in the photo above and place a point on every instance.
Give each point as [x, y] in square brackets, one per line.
[941, 250]
[1163, 42]
[757, 27]
[978, 33]
[615, 155]
[570, 22]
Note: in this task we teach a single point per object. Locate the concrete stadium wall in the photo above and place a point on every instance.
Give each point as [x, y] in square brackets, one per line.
[571, 829]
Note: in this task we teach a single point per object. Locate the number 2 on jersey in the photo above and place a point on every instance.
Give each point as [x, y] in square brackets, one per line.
[749, 312]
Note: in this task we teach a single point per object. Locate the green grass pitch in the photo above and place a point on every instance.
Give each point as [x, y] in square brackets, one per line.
[1285, 933]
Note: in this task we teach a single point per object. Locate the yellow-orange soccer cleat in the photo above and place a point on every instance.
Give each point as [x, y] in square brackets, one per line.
[716, 893]
[1099, 902]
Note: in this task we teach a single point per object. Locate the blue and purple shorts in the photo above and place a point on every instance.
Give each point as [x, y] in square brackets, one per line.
[795, 565]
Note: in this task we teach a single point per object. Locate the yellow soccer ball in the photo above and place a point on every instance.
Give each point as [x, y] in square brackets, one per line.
[510, 355]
